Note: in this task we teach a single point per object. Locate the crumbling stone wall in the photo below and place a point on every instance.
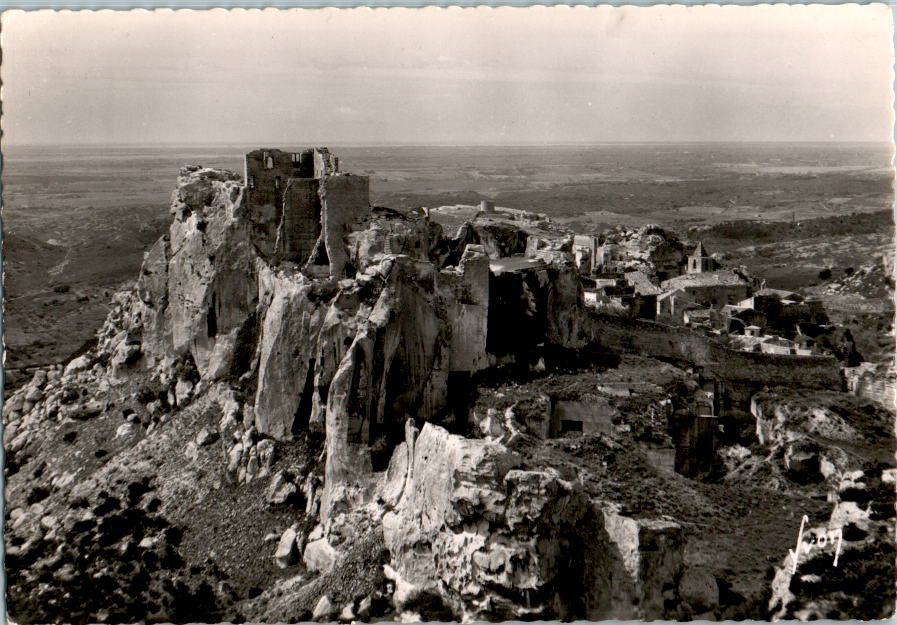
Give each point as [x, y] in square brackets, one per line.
[300, 225]
[590, 414]
[733, 367]
[344, 205]
[301, 208]
[871, 382]
[266, 174]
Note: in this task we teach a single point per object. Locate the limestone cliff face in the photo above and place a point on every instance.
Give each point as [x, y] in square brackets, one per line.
[352, 358]
[532, 307]
[198, 286]
[383, 343]
[426, 328]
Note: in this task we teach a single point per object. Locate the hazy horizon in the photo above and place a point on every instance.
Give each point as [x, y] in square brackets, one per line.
[339, 144]
[455, 77]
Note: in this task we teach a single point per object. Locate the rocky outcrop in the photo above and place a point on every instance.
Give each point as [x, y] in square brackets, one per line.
[650, 249]
[353, 357]
[470, 527]
[425, 326]
[843, 568]
[197, 288]
[307, 396]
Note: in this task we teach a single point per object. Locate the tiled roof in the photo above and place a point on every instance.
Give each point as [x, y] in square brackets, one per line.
[724, 277]
[642, 283]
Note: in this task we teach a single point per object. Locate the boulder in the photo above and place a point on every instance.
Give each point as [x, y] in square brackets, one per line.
[323, 609]
[34, 394]
[347, 615]
[265, 450]
[286, 555]
[124, 355]
[40, 378]
[205, 437]
[281, 490]
[319, 555]
[183, 390]
[81, 363]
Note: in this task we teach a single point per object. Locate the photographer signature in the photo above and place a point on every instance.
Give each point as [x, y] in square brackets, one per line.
[815, 541]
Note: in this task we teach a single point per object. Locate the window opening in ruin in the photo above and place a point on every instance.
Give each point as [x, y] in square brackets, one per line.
[252, 182]
[277, 183]
[568, 425]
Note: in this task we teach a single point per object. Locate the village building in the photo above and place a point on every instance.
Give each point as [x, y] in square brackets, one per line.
[697, 316]
[641, 282]
[699, 261]
[671, 305]
[585, 253]
[805, 345]
[763, 299]
[611, 294]
[609, 255]
[713, 289]
[777, 345]
[735, 319]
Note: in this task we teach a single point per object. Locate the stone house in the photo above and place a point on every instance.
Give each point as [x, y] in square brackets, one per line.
[672, 305]
[713, 289]
[777, 345]
[585, 253]
[697, 315]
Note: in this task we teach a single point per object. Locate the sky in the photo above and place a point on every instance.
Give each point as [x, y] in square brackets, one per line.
[458, 76]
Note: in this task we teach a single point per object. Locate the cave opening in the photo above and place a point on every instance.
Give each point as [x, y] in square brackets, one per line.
[319, 254]
[461, 391]
[400, 405]
[303, 411]
[212, 318]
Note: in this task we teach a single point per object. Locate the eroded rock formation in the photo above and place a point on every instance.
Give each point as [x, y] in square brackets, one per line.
[294, 374]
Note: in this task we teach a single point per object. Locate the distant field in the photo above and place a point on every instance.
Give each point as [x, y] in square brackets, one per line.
[76, 221]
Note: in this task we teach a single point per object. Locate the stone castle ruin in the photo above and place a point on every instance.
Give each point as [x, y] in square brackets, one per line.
[301, 206]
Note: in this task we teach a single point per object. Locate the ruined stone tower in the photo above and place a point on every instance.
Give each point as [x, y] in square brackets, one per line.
[301, 207]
